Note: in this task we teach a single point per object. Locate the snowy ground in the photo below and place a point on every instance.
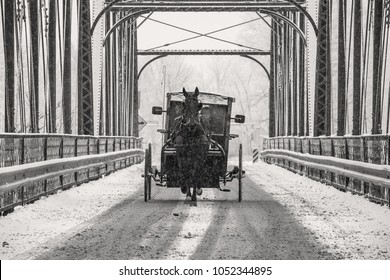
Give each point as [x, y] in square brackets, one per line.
[349, 226]
[283, 216]
[55, 217]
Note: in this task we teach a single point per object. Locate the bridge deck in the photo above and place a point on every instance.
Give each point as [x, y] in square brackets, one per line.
[282, 216]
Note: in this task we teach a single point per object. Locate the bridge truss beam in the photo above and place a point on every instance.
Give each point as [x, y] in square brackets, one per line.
[85, 88]
[203, 6]
[322, 108]
[201, 52]
[9, 57]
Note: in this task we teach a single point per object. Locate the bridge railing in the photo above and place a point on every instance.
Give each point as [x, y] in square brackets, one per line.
[33, 165]
[359, 164]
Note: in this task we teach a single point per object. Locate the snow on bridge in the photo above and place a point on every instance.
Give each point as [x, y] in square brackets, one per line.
[276, 204]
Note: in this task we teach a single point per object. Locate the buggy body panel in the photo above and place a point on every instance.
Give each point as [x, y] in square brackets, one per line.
[215, 121]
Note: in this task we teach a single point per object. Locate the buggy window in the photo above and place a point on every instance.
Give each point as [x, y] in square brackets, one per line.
[213, 119]
[175, 111]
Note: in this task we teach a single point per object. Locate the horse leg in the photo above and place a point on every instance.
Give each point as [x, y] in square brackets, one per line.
[193, 199]
[188, 195]
[194, 194]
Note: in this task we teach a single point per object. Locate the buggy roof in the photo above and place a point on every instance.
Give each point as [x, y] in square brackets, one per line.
[204, 97]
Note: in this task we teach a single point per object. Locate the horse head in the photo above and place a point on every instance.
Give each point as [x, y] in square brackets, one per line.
[192, 106]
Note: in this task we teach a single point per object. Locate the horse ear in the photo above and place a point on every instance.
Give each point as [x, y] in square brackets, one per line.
[196, 92]
[185, 92]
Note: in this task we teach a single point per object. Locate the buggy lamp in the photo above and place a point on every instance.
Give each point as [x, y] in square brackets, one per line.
[156, 110]
[239, 119]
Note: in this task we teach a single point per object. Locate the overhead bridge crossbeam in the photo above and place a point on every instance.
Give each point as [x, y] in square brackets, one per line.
[205, 6]
[202, 52]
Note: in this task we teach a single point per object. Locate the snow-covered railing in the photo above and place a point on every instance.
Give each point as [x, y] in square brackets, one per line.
[359, 164]
[33, 165]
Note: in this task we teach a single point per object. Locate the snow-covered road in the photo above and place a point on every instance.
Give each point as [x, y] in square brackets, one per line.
[282, 216]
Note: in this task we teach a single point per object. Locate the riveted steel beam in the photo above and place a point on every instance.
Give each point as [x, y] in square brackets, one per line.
[67, 72]
[357, 70]
[377, 68]
[9, 56]
[205, 6]
[341, 108]
[302, 91]
[272, 88]
[52, 52]
[85, 89]
[322, 107]
[202, 52]
[34, 47]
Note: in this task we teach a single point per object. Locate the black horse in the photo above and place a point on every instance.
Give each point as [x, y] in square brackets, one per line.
[191, 145]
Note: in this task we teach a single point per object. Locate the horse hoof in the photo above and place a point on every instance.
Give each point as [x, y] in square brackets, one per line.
[184, 190]
[199, 191]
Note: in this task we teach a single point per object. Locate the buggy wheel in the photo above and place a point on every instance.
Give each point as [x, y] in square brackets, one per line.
[240, 174]
[147, 181]
[150, 172]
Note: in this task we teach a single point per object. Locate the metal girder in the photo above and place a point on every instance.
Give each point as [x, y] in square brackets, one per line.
[108, 95]
[147, 63]
[341, 117]
[85, 90]
[66, 74]
[272, 86]
[322, 109]
[377, 68]
[52, 52]
[34, 90]
[259, 63]
[135, 83]
[302, 90]
[287, 21]
[203, 52]
[9, 66]
[204, 6]
[357, 59]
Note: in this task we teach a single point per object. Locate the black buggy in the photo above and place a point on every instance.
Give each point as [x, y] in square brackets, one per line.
[195, 144]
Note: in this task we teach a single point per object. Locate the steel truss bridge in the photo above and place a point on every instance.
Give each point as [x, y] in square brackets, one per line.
[66, 121]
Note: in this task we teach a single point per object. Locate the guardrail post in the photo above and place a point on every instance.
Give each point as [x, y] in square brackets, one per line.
[88, 152]
[76, 154]
[22, 154]
[45, 158]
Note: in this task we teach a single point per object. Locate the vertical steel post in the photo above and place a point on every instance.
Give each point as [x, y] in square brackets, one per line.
[341, 71]
[52, 52]
[66, 73]
[357, 60]
[377, 68]
[283, 81]
[302, 78]
[120, 75]
[114, 79]
[322, 105]
[271, 121]
[9, 67]
[288, 81]
[108, 73]
[295, 58]
[131, 80]
[135, 81]
[280, 80]
[34, 65]
[85, 88]
[126, 102]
